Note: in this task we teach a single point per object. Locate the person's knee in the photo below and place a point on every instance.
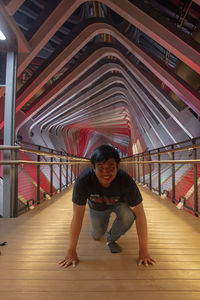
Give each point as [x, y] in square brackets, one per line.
[97, 234]
[127, 216]
[128, 219]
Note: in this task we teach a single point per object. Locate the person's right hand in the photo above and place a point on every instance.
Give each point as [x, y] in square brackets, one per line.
[70, 259]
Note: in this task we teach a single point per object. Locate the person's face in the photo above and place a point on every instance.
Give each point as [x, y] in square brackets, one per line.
[106, 171]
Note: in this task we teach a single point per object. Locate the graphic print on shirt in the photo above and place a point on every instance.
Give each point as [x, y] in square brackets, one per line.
[102, 199]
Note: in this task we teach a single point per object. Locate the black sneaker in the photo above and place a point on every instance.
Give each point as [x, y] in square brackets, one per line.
[114, 247]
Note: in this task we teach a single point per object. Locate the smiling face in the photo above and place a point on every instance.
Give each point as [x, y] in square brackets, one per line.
[106, 171]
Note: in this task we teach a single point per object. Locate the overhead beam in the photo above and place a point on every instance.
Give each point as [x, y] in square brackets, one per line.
[171, 80]
[51, 25]
[13, 6]
[197, 2]
[127, 10]
[23, 45]
[159, 33]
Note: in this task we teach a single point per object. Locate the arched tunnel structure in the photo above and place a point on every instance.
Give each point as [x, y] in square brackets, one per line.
[77, 74]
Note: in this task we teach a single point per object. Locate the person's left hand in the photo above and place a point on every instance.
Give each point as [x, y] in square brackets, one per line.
[71, 258]
[145, 259]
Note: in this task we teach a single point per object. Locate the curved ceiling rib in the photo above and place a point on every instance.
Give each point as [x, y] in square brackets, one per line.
[176, 84]
[133, 104]
[104, 52]
[130, 86]
[129, 12]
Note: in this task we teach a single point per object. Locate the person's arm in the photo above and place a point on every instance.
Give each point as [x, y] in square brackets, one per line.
[141, 226]
[75, 229]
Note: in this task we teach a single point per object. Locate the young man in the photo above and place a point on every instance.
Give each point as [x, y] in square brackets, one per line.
[108, 189]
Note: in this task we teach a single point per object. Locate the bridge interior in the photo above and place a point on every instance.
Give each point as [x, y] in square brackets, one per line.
[37, 240]
[75, 74]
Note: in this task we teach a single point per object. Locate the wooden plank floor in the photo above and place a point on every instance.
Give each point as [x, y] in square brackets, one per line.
[37, 240]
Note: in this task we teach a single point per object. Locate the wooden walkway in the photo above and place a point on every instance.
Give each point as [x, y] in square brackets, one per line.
[37, 241]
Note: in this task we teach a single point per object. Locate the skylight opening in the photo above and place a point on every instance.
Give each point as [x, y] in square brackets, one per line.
[2, 36]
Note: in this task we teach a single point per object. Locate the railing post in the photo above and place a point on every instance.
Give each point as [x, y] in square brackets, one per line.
[77, 170]
[173, 178]
[66, 173]
[135, 175]
[138, 167]
[71, 175]
[15, 208]
[196, 206]
[131, 167]
[51, 176]
[150, 172]
[159, 174]
[38, 178]
[60, 167]
[9, 199]
[143, 169]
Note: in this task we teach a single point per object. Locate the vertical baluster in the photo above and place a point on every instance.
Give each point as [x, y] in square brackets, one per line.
[38, 178]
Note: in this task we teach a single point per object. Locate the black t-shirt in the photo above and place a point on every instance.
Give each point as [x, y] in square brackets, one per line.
[122, 189]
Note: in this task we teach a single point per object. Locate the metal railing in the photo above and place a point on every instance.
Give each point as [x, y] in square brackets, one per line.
[40, 173]
[172, 172]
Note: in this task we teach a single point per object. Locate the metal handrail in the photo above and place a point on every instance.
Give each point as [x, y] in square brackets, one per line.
[63, 175]
[135, 165]
[38, 152]
[27, 162]
[6, 147]
[186, 161]
[178, 143]
[43, 153]
[69, 162]
[147, 153]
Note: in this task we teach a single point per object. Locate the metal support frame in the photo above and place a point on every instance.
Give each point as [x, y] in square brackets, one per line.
[10, 193]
